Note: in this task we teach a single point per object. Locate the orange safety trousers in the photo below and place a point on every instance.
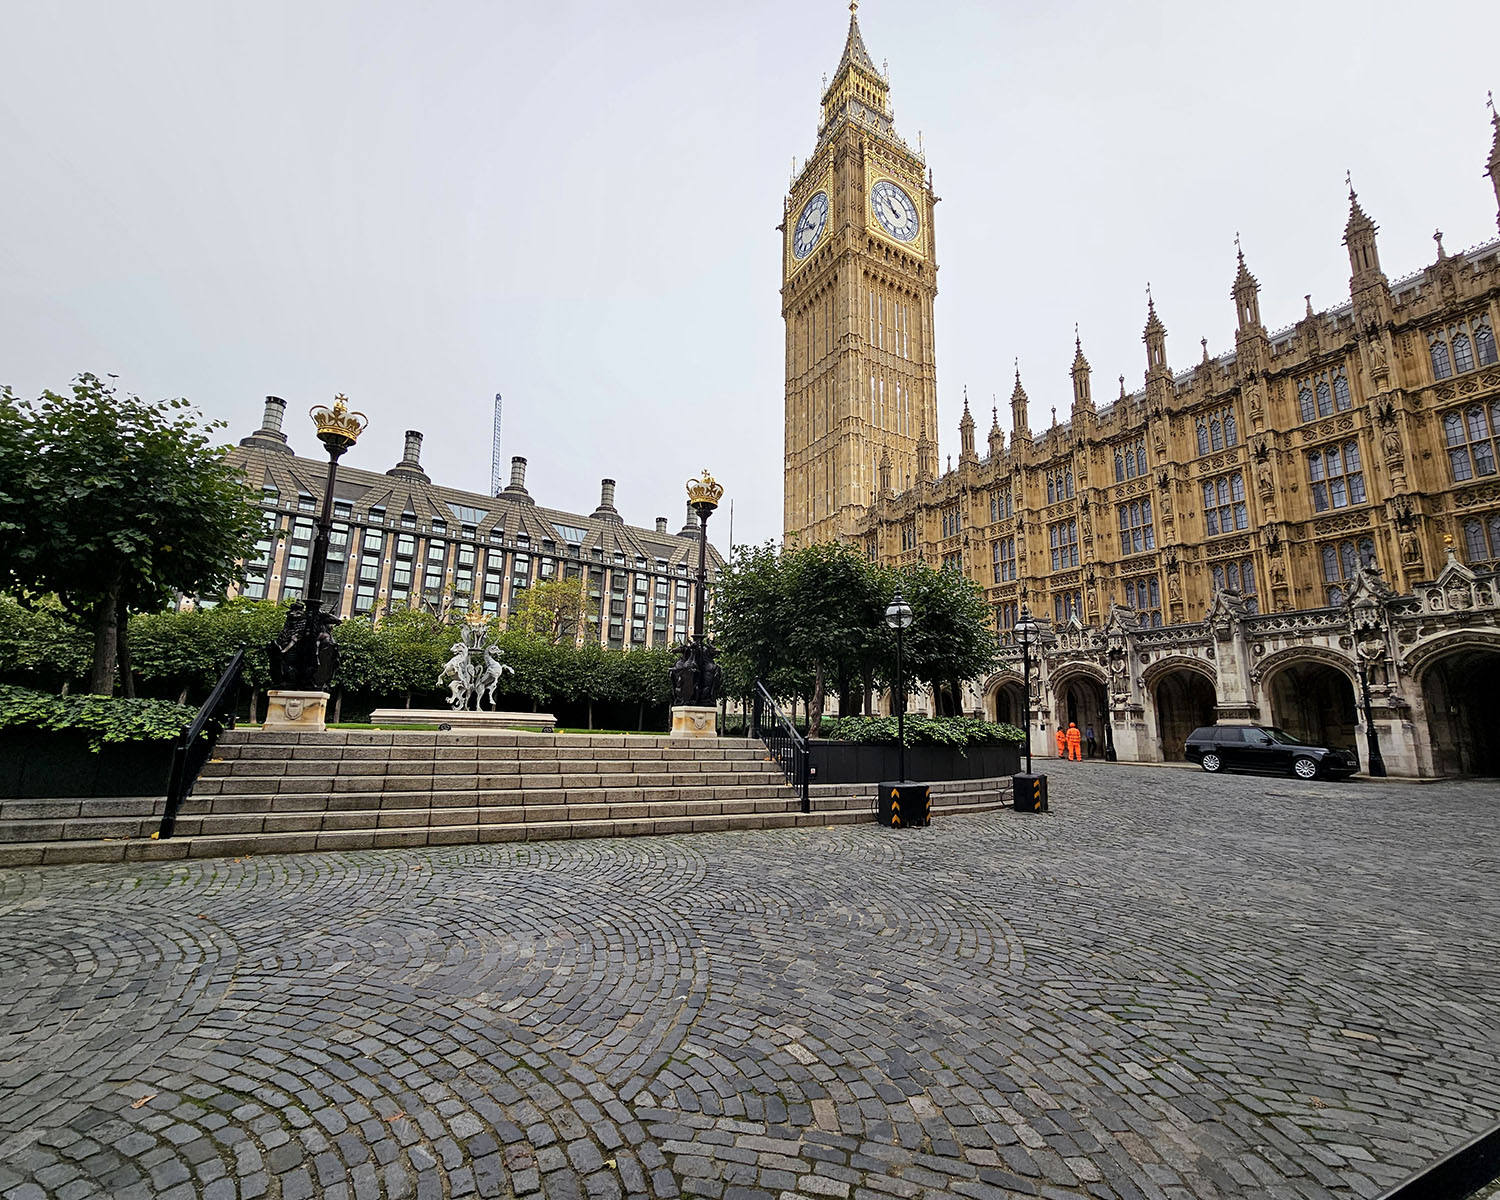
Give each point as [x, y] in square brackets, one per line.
[1075, 746]
[1062, 744]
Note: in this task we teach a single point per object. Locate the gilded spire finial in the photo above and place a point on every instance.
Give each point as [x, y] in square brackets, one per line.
[853, 8]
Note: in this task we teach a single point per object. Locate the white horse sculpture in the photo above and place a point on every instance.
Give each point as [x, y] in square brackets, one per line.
[493, 670]
[459, 670]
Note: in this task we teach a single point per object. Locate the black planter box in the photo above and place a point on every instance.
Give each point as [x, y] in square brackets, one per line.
[855, 762]
[43, 764]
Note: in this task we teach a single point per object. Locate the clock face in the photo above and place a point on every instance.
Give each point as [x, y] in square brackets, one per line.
[810, 225]
[894, 210]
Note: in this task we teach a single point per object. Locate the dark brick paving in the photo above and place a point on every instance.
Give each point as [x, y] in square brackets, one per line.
[1171, 986]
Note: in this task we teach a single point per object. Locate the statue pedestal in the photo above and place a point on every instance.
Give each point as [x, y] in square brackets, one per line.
[695, 721]
[302, 712]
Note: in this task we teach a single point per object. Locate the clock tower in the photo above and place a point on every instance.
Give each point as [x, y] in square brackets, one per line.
[859, 275]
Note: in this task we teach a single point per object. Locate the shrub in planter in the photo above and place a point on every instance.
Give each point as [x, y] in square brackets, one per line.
[956, 732]
[86, 745]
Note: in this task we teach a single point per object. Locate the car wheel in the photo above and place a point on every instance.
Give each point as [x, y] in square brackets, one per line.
[1304, 768]
[1212, 763]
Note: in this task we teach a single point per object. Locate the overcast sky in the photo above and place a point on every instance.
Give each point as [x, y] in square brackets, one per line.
[574, 204]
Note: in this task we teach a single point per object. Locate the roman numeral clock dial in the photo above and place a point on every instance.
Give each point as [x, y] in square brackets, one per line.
[895, 211]
[810, 225]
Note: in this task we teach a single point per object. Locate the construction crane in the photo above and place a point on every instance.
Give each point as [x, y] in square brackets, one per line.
[495, 452]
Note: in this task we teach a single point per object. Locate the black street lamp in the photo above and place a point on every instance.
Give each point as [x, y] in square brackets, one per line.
[1026, 629]
[898, 617]
[1369, 640]
[704, 495]
[303, 657]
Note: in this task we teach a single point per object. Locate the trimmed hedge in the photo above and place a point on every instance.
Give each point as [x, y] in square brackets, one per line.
[922, 731]
[101, 718]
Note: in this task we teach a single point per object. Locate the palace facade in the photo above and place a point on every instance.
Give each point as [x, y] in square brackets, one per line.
[1257, 537]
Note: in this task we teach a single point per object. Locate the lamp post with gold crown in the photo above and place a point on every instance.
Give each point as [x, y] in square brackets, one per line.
[304, 657]
[696, 678]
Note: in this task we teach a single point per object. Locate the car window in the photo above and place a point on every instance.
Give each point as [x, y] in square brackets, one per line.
[1205, 734]
[1281, 736]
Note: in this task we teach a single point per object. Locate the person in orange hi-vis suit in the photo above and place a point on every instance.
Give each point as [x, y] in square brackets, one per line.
[1075, 743]
[1062, 742]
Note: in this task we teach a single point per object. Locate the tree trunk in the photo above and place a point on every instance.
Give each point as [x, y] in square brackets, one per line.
[815, 710]
[591, 712]
[106, 639]
[408, 699]
[640, 716]
[183, 695]
[254, 697]
[846, 700]
[338, 706]
[867, 705]
[122, 648]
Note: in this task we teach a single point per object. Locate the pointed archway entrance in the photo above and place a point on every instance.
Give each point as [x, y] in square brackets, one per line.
[1080, 698]
[1184, 701]
[1314, 701]
[1463, 712]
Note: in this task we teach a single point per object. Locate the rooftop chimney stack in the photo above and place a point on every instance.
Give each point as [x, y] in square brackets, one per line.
[661, 525]
[516, 490]
[269, 436]
[606, 510]
[410, 466]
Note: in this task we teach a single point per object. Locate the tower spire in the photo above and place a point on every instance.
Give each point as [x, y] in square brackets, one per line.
[1492, 167]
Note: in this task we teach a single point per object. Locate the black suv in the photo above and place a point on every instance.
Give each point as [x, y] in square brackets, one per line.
[1264, 748]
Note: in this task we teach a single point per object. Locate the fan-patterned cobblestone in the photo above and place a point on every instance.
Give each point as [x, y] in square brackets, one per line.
[1170, 986]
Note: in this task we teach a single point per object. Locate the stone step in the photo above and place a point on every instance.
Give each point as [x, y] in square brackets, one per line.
[605, 772]
[385, 785]
[63, 810]
[291, 842]
[585, 742]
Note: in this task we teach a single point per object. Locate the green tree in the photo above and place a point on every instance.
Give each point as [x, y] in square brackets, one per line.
[552, 611]
[115, 504]
[951, 637]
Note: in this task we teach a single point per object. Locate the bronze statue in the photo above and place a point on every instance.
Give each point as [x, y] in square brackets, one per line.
[684, 674]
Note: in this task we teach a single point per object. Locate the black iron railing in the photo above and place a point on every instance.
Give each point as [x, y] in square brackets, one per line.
[193, 748]
[787, 746]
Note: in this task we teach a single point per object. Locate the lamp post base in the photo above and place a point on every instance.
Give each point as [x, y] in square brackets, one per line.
[695, 721]
[300, 712]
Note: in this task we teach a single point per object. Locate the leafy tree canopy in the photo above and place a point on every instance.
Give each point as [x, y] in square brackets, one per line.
[111, 503]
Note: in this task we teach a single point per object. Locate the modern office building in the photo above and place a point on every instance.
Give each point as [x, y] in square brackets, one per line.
[400, 540]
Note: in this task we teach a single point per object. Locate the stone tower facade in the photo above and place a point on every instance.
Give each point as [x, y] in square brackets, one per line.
[859, 277]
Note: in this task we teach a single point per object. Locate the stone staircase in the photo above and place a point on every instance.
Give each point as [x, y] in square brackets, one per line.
[265, 793]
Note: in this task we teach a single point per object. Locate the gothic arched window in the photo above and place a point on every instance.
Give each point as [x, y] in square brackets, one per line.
[1325, 399]
[1051, 490]
[1216, 433]
[1119, 466]
[1341, 390]
[1305, 400]
[1330, 563]
[1484, 343]
[1366, 552]
[1068, 480]
[1475, 549]
[1463, 354]
[1202, 437]
[1231, 434]
[1140, 459]
[1441, 368]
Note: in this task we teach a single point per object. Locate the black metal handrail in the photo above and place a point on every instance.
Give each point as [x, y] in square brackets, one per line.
[192, 749]
[787, 746]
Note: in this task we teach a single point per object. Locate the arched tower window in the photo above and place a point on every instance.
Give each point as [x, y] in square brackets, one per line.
[1463, 354]
[1305, 401]
[1484, 342]
[1202, 437]
[1441, 367]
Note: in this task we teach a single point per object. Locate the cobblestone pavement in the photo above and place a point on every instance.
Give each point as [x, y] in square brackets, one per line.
[1170, 986]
